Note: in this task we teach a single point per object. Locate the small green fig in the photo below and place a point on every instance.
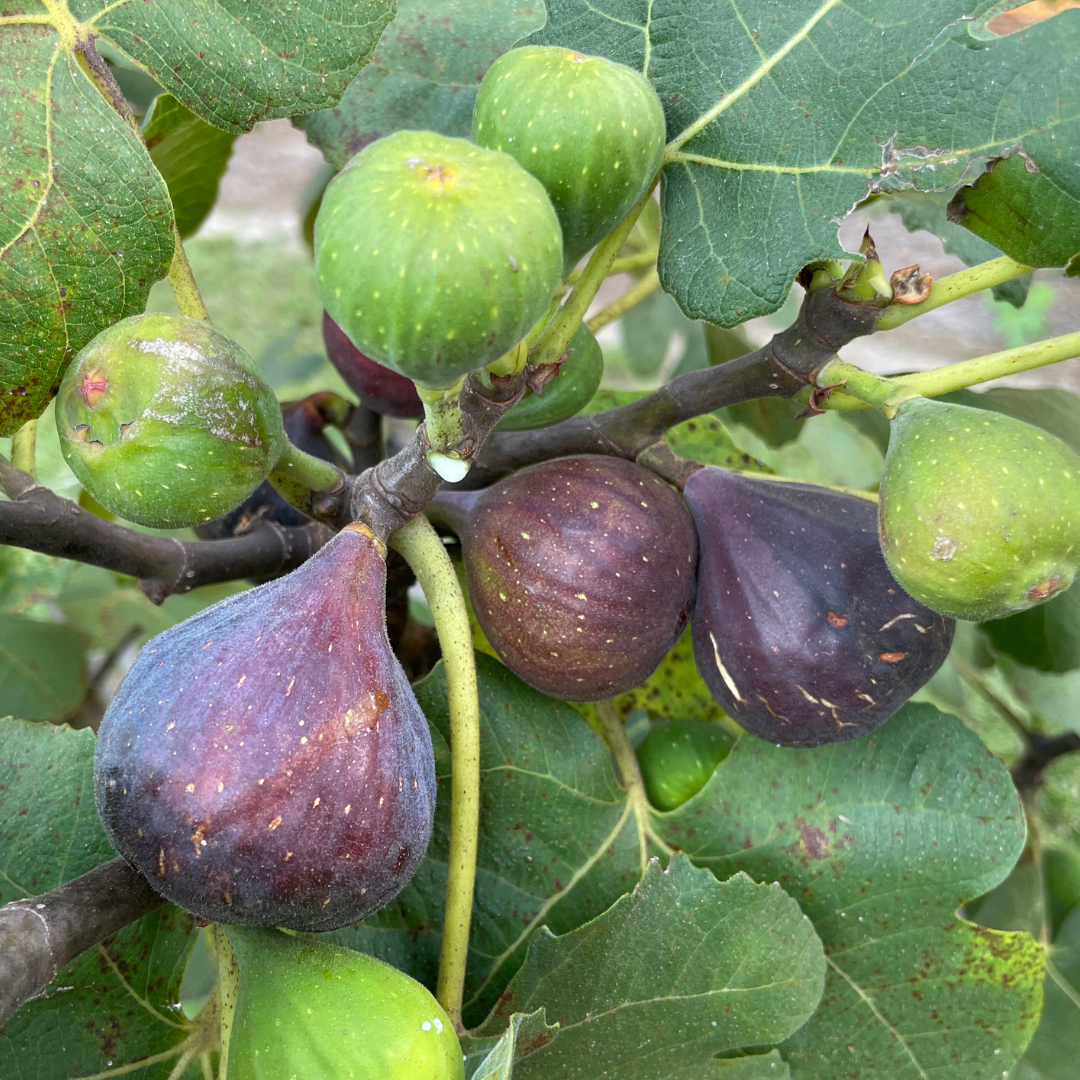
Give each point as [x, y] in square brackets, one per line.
[979, 513]
[435, 256]
[315, 1011]
[166, 422]
[677, 759]
[568, 393]
[590, 130]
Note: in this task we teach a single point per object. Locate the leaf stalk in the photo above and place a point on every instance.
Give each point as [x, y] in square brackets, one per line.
[422, 549]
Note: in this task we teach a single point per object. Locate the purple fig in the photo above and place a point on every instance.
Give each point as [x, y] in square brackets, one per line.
[380, 389]
[265, 761]
[581, 572]
[800, 631]
[304, 424]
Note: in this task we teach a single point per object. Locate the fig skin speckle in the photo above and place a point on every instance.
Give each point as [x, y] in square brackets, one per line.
[580, 570]
[800, 632]
[265, 762]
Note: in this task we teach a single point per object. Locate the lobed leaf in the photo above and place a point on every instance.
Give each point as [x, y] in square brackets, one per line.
[681, 970]
[781, 116]
[880, 840]
[424, 74]
[42, 668]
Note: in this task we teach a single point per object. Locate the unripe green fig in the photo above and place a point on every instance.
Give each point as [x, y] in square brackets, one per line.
[313, 1011]
[677, 759]
[435, 256]
[568, 393]
[265, 762]
[167, 422]
[590, 130]
[979, 513]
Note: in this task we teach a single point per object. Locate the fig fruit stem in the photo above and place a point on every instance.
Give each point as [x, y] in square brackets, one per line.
[300, 478]
[954, 287]
[182, 282]
[614, 734]
[631, 298]
[950, 377]
[420, 546]
[443, 420]
[553, 344]
[874, 390]
[24, 448]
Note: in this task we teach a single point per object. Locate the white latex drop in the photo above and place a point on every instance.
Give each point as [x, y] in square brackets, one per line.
[450, 469]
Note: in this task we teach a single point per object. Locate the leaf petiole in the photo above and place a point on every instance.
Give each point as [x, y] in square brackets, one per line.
[422, 549]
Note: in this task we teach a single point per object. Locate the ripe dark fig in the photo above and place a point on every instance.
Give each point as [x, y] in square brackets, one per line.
[677, 759]
[380, 389]
[800, 631]
[573, 387]
[304, 425]
[167, 422]
[580, 571]
[265, 761]
[980, 512]
[315, 1010]
[590, 130]
[435, 256]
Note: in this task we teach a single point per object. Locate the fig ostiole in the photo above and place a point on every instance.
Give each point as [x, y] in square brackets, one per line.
[380, 389]
[590, 130]
[265, 761]
[576, 381]
[435, 256]
[166, 421]
[580, 571]
[979, 512]
[321, 1012]
[800, 632]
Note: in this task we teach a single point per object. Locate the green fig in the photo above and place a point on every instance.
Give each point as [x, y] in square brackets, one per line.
[313, 1011]
[979, 513]
[576, 381]
[166, 422]
[590, 130]
[677, 759]
[435, 256]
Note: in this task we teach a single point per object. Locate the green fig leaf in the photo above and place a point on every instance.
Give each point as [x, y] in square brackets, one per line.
[1053, 1052]
[767, 149]
[31, 582]
[42, 668]
[116, 1003]
[526, 1034]
[191, 157]
[233, 68]
[85, 221]
[424, 75]
[85, 217]
[558, 844]
[880, 840]
[927, 211]
[1022, 211]
[682, 969]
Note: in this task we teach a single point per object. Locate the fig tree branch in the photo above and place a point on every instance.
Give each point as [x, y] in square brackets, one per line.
[39, 519]
[41, 934]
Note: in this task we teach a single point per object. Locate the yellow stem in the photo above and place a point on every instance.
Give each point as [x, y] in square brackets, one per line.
[631, 298]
